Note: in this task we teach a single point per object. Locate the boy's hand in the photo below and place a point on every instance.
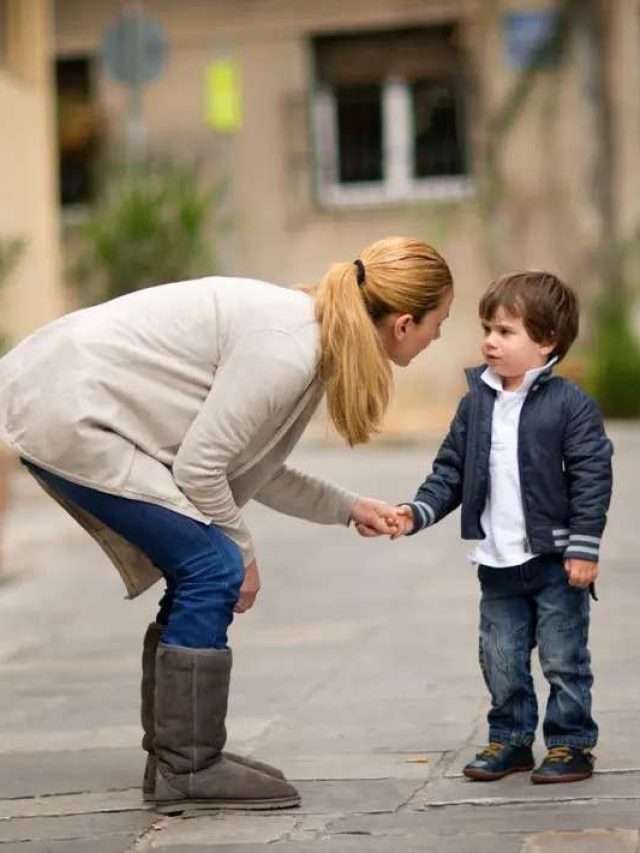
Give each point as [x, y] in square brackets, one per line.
[404, 521]
[581, 572]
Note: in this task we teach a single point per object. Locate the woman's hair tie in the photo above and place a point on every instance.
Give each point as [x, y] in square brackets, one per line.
[359, 271]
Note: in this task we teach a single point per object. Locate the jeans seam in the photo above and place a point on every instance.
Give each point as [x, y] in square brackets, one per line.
[577, 742]
[506, 737]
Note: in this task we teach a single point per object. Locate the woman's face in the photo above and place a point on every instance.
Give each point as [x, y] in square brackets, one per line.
[403, 339]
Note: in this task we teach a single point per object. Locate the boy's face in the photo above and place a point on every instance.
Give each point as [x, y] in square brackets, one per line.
[509, 350]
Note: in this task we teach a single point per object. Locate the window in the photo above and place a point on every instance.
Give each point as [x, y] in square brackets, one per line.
[78, 129]
[388, 116]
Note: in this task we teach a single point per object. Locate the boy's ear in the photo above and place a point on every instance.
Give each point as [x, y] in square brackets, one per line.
[547, 347]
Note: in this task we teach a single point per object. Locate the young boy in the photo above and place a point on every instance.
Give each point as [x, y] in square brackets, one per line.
[528, 459]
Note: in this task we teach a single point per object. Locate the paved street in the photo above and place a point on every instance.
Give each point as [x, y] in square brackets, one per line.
[356, 673]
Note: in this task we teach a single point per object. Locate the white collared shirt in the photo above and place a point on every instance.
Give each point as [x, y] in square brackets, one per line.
[502, 520]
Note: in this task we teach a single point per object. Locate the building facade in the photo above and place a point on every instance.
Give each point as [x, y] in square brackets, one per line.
[31, 294]
[356, 119]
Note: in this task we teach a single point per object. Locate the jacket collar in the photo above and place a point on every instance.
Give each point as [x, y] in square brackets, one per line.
[474, 375]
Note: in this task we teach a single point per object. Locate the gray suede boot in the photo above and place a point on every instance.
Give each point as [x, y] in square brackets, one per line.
[192, 773]
[147, 690]
[149, 649]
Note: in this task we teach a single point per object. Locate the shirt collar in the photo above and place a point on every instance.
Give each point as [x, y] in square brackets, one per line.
[494, 381]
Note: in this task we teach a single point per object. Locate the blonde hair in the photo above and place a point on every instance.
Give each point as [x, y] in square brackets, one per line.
[394, 275]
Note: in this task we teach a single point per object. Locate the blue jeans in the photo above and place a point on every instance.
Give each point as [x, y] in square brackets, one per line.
[522, 607]
[202, 567]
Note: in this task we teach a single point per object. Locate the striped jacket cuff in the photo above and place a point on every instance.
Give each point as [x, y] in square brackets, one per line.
[579, 546]
[423, 515]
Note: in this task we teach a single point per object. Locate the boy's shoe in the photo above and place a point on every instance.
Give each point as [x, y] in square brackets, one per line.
[564, 764]
[498, 760]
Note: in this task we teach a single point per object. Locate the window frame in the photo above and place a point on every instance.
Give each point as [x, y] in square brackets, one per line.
[398, 184]
[77, 211]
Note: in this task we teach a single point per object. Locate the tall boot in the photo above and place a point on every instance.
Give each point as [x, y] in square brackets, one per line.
[147, 690]
[148, 683]
[192, 773]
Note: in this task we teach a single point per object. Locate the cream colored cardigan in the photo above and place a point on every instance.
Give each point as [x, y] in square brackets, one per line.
[188, 395]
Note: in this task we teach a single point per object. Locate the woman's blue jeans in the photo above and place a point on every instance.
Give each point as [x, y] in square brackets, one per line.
[522, 607]
[202, 567]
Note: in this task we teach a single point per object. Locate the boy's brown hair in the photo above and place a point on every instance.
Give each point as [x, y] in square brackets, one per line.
[547, 306]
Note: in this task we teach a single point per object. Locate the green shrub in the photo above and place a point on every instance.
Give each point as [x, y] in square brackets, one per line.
[11, 250]
[614, 370]
[150, 226]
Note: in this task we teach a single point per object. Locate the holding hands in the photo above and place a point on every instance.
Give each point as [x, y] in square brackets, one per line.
[376, 518]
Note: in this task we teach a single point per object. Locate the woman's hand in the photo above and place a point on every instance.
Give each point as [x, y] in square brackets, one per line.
[249, 589]
[373, 517]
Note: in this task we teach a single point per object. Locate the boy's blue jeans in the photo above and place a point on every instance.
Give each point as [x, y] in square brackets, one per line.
[202, 567]
[521, 607]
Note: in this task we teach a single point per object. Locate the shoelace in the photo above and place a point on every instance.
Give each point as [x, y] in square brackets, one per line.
[491, 751]
[558, 754]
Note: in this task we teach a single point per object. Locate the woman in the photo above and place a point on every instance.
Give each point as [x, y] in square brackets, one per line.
[155, 417]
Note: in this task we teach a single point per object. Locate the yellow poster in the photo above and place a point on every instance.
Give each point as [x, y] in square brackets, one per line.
[223, 107]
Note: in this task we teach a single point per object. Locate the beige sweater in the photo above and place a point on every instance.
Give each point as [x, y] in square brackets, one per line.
[188, 395]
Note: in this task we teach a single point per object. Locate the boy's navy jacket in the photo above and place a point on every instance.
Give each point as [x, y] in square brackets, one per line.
[564, 460]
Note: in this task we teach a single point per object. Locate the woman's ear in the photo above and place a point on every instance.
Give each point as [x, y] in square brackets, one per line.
[402, 325]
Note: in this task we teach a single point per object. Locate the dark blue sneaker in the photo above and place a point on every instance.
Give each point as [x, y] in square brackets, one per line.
[564, 764]
[498, 760]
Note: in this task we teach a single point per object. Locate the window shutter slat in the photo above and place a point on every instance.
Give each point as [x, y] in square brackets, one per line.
[407, 54]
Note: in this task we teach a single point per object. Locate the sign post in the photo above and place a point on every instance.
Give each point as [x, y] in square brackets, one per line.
[134, 52]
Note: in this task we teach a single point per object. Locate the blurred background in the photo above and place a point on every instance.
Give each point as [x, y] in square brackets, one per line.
[148, 142]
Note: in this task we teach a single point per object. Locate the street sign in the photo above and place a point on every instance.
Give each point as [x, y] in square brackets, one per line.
[134, 49]
[528, 35]
[223, 104]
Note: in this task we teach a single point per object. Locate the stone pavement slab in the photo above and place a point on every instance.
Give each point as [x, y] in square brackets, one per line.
[397, 765]
[29, 774]
[73, 804]
[519, 818]
[357, 843]
[594, 841]
[110, 844]
[365, 796]
[221, 829]
[62, 828]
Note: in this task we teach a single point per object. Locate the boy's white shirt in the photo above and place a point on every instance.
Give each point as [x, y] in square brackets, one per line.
[503, 516]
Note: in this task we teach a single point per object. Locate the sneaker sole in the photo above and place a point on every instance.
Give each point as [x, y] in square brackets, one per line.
[174, 807]
[486, 776]
[554, 780]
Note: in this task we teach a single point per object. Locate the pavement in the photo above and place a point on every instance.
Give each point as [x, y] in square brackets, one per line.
[356, 673]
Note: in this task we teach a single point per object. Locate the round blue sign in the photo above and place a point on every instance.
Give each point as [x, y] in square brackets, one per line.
[134, 50]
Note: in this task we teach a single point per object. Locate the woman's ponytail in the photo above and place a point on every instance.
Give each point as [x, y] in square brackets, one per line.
[394, 275]
[353, 364]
